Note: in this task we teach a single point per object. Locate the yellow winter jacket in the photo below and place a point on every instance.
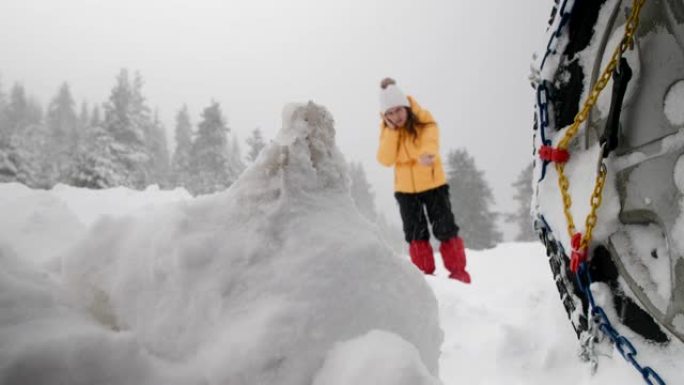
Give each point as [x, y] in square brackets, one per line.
[399, 149]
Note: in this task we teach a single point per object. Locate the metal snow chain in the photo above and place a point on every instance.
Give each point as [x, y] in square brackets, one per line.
[556, 258]
[543, 111]
[622, 344]
[563, 13]
[581, 117]
[564, 16]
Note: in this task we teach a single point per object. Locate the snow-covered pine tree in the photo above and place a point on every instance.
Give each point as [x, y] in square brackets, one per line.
[127, 120]
[155, 136]
[8, 165]
[61, 116]
[17, 109]
[361, 192]
[235, 164]
[32, 156]
[471, 200]
[180, 163]
[256, 144]
[209, 154]
[21, 111]
[523, 196]
[83, 118]
[62, 124]
[364, 198]
[8, 170]
[25, 147]
[4, 124]
[158, 147]
[34, 112]
[94, 165]
[95, 117]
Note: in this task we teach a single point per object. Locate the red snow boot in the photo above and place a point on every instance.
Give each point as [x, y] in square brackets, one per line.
[453, 254]
[421, 256]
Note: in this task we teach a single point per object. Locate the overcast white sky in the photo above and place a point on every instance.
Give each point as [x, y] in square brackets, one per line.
[467, 61]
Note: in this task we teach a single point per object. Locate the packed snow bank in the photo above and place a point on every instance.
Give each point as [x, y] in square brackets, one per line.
[36, 224]
[116, 202]
[375, 358]
[253, 285]
[43, 340]
[41, 225]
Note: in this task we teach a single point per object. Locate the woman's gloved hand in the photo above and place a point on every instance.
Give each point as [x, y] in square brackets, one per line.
[426, 160]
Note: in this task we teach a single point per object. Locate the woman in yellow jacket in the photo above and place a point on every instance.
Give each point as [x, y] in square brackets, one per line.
[409, 141]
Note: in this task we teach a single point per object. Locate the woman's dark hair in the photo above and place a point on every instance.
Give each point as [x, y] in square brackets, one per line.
[412, 124]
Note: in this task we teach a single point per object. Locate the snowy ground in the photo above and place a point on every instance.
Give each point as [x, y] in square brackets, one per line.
[277, 280]
[509, 327]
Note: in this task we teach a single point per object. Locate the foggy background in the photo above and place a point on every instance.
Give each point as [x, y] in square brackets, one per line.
[465, 61]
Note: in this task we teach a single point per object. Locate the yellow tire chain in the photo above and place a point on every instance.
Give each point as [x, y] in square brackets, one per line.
[582, 115]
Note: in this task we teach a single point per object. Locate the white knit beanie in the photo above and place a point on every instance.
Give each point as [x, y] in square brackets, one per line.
[391, 96]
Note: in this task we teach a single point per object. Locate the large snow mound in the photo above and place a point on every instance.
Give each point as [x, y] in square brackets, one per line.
[36, 223]
[375, 358]
[40, 225]
[254, 285]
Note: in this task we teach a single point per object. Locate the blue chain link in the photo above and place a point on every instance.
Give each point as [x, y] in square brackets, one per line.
[543, 118]
[622, 344]
[564, 13]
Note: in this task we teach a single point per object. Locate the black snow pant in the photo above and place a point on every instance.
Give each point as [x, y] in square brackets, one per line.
[413, 208]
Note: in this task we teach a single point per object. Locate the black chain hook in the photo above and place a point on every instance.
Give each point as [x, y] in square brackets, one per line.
[621, 77]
